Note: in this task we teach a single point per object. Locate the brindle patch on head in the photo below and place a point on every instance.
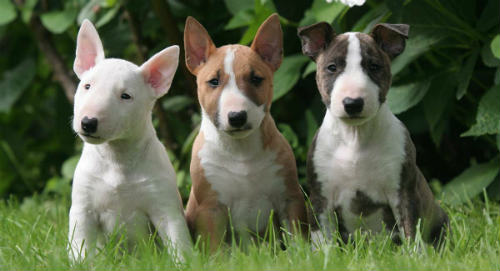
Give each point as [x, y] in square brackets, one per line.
[376, 64]
[335, 54]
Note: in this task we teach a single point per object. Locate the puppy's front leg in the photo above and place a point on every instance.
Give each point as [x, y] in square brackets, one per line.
[211, 223]
[82, 235]
[171, 226]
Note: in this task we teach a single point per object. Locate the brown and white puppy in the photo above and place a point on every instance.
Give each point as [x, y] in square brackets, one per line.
[242, 168]
[361, 165]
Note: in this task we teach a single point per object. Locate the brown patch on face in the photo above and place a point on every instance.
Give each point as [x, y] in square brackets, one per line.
[376, 64]
[335, 54]
[209, 95]
[253, 78]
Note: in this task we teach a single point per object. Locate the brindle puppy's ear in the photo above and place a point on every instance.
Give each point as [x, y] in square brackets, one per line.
[268, 42]
[315, 38]
[391, 38]
[197, 44]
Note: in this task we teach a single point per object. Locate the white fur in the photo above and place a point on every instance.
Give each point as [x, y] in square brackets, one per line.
[124, 180]
[366, 158]
[233, 100]
[354, 83]
[244, 175]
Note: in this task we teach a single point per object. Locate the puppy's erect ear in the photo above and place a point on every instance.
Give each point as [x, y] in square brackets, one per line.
[268, 42]
[159, 70]
[391, 38]
[197, 44]
[315, 38]
[89, 49]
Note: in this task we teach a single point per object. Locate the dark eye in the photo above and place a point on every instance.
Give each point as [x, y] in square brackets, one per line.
[214, 82]
[87, 86]
[256, 80]
[125, 96]
[332, 67]
[374, 67]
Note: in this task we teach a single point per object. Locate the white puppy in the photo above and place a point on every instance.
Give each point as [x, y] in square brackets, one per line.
[124, 180]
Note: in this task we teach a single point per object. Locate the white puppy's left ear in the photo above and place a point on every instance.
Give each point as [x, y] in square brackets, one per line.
[89, 49]
[160, 69]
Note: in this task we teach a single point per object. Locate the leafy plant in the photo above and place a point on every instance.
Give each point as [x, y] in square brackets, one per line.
[445, 84]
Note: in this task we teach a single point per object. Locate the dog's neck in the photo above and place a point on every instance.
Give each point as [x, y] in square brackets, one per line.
[247, 146]
[359, 135]
[126, 152]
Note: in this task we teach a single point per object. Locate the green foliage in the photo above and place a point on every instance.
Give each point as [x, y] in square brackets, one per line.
[471, 182]
[445, 84]
[488, 114]
[7, 12]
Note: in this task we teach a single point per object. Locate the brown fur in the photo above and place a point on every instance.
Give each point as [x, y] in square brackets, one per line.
[206, 215]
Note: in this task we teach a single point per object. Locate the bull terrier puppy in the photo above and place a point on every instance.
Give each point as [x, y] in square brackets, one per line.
[124, 179]
[361, 166]
[242, 168]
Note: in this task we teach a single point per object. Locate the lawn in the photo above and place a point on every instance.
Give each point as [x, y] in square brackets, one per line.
[33, 237]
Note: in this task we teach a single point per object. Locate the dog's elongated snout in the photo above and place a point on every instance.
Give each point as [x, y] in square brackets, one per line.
[89, 125]
[237, 119]
[353, 106]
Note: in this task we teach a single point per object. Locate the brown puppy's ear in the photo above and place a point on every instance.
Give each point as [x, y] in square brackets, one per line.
[391, 38]
[268, 42]
[197, 44]
[315, 38]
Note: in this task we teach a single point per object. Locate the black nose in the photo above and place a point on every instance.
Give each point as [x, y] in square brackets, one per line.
[353, 106]
[89, 125]
[237, 119]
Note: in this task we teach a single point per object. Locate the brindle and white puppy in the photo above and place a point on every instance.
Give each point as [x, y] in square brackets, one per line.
[242, 168]
[361, 164]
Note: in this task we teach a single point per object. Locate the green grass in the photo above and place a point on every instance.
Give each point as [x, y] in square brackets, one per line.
[33, 236]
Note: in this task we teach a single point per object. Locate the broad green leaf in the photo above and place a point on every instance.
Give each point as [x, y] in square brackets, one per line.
[312, 127]
[289, 134]
[402, 98]
[14, 82]
[108, 16]
[437, 104]
[322, 11]
[488, 58]
[497, 76]
[89, 11]
[236, 6]
[177, 103]
[58, 21]
[27, 10]
[416, 46]
[242, 18]
[370, 18]
[489, 17]
[262, 10]
[7, 12]
[488, 114]
[288, 74]
[188, 143]
[69, 166]
[471, 182]
[310, 68]
[465, 74]
[495, 46]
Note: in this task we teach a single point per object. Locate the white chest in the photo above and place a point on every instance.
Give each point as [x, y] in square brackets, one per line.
[248, 183]
[364, 163]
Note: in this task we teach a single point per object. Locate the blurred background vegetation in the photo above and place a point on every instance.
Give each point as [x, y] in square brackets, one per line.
[445, 85]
